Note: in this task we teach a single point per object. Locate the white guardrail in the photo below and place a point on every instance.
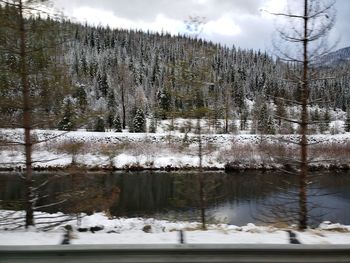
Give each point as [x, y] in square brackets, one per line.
[175, 253]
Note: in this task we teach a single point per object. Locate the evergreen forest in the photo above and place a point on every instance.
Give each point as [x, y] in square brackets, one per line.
[101, 78]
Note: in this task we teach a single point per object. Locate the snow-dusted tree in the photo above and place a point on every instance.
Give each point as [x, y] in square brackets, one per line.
[315, 115]
[111, 108]
[102, 84]
[260, 116]
[262, 119]
[153, 124]
[315, 120]
[243, 117]
[81, 97]
[347, 121]
[303, 33]
[99, 125]
[139, 121]
[69, 118]
[280, 112]
[270, 128]
[117, 125]
[28, 43]
[164, 103]
[325, 121]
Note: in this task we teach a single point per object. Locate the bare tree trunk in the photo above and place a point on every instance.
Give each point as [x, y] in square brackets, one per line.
[303, 128]
[226, 112]
[26, 121]
[123, 107]
[202, 202]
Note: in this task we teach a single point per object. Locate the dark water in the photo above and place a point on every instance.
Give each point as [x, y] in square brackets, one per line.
[237, 198]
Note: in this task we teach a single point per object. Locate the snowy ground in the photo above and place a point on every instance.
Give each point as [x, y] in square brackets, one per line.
[168, 150]
[132, 231]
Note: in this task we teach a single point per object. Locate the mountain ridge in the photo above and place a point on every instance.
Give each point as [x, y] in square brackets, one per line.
[336, 58]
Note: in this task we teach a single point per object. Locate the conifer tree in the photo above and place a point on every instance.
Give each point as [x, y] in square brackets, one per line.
[326, 119]
[81, 97]
[263, 120]
[316, 122]
[315, 116]
[99, 125]
[139, 121]
[243, 118]
[110, 119]
[164, 103]
[270, 129]
[117, 125]
[68, 122]
[347, 121]
[102, 84]
[280, 111]
[153, 124]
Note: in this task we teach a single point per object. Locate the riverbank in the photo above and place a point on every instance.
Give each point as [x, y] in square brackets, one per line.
[99, 229]
[59, 150]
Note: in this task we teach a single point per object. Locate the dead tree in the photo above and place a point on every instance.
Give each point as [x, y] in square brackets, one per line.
[303, 33]
[23, 45]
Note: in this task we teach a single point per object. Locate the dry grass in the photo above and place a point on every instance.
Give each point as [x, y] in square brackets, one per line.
[280, 153]
[73, 148]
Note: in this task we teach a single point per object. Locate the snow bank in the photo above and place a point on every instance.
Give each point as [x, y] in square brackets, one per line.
[99, 229]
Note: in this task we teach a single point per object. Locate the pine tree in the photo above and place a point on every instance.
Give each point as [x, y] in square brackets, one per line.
[81, 96]
[102, 84]
[99, 125]
[153, 124]
[111, 108]
[315, 116]
[139, 121]
[164, 103]
[117, 125]
[280, 111]
[68, 122]
[110, 119]
[263, 119]
[347, 121]
[270, 129]
[243, 118]
[326, 118]
[316, 119]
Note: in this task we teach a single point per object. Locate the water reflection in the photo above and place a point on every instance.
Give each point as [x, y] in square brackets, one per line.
[236, 198]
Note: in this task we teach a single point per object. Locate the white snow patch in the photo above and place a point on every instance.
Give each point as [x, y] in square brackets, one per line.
[130, 231]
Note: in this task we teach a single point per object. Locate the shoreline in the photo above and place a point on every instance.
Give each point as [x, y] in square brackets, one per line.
[231, 169]
[109, 151]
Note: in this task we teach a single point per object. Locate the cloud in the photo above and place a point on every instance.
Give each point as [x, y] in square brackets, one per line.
[224, 25]
[342, 26]
[254, 33]
[238, 22]
[103, 17]
[179, 9]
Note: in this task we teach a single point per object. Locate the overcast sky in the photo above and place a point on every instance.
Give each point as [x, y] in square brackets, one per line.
[238, 22]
